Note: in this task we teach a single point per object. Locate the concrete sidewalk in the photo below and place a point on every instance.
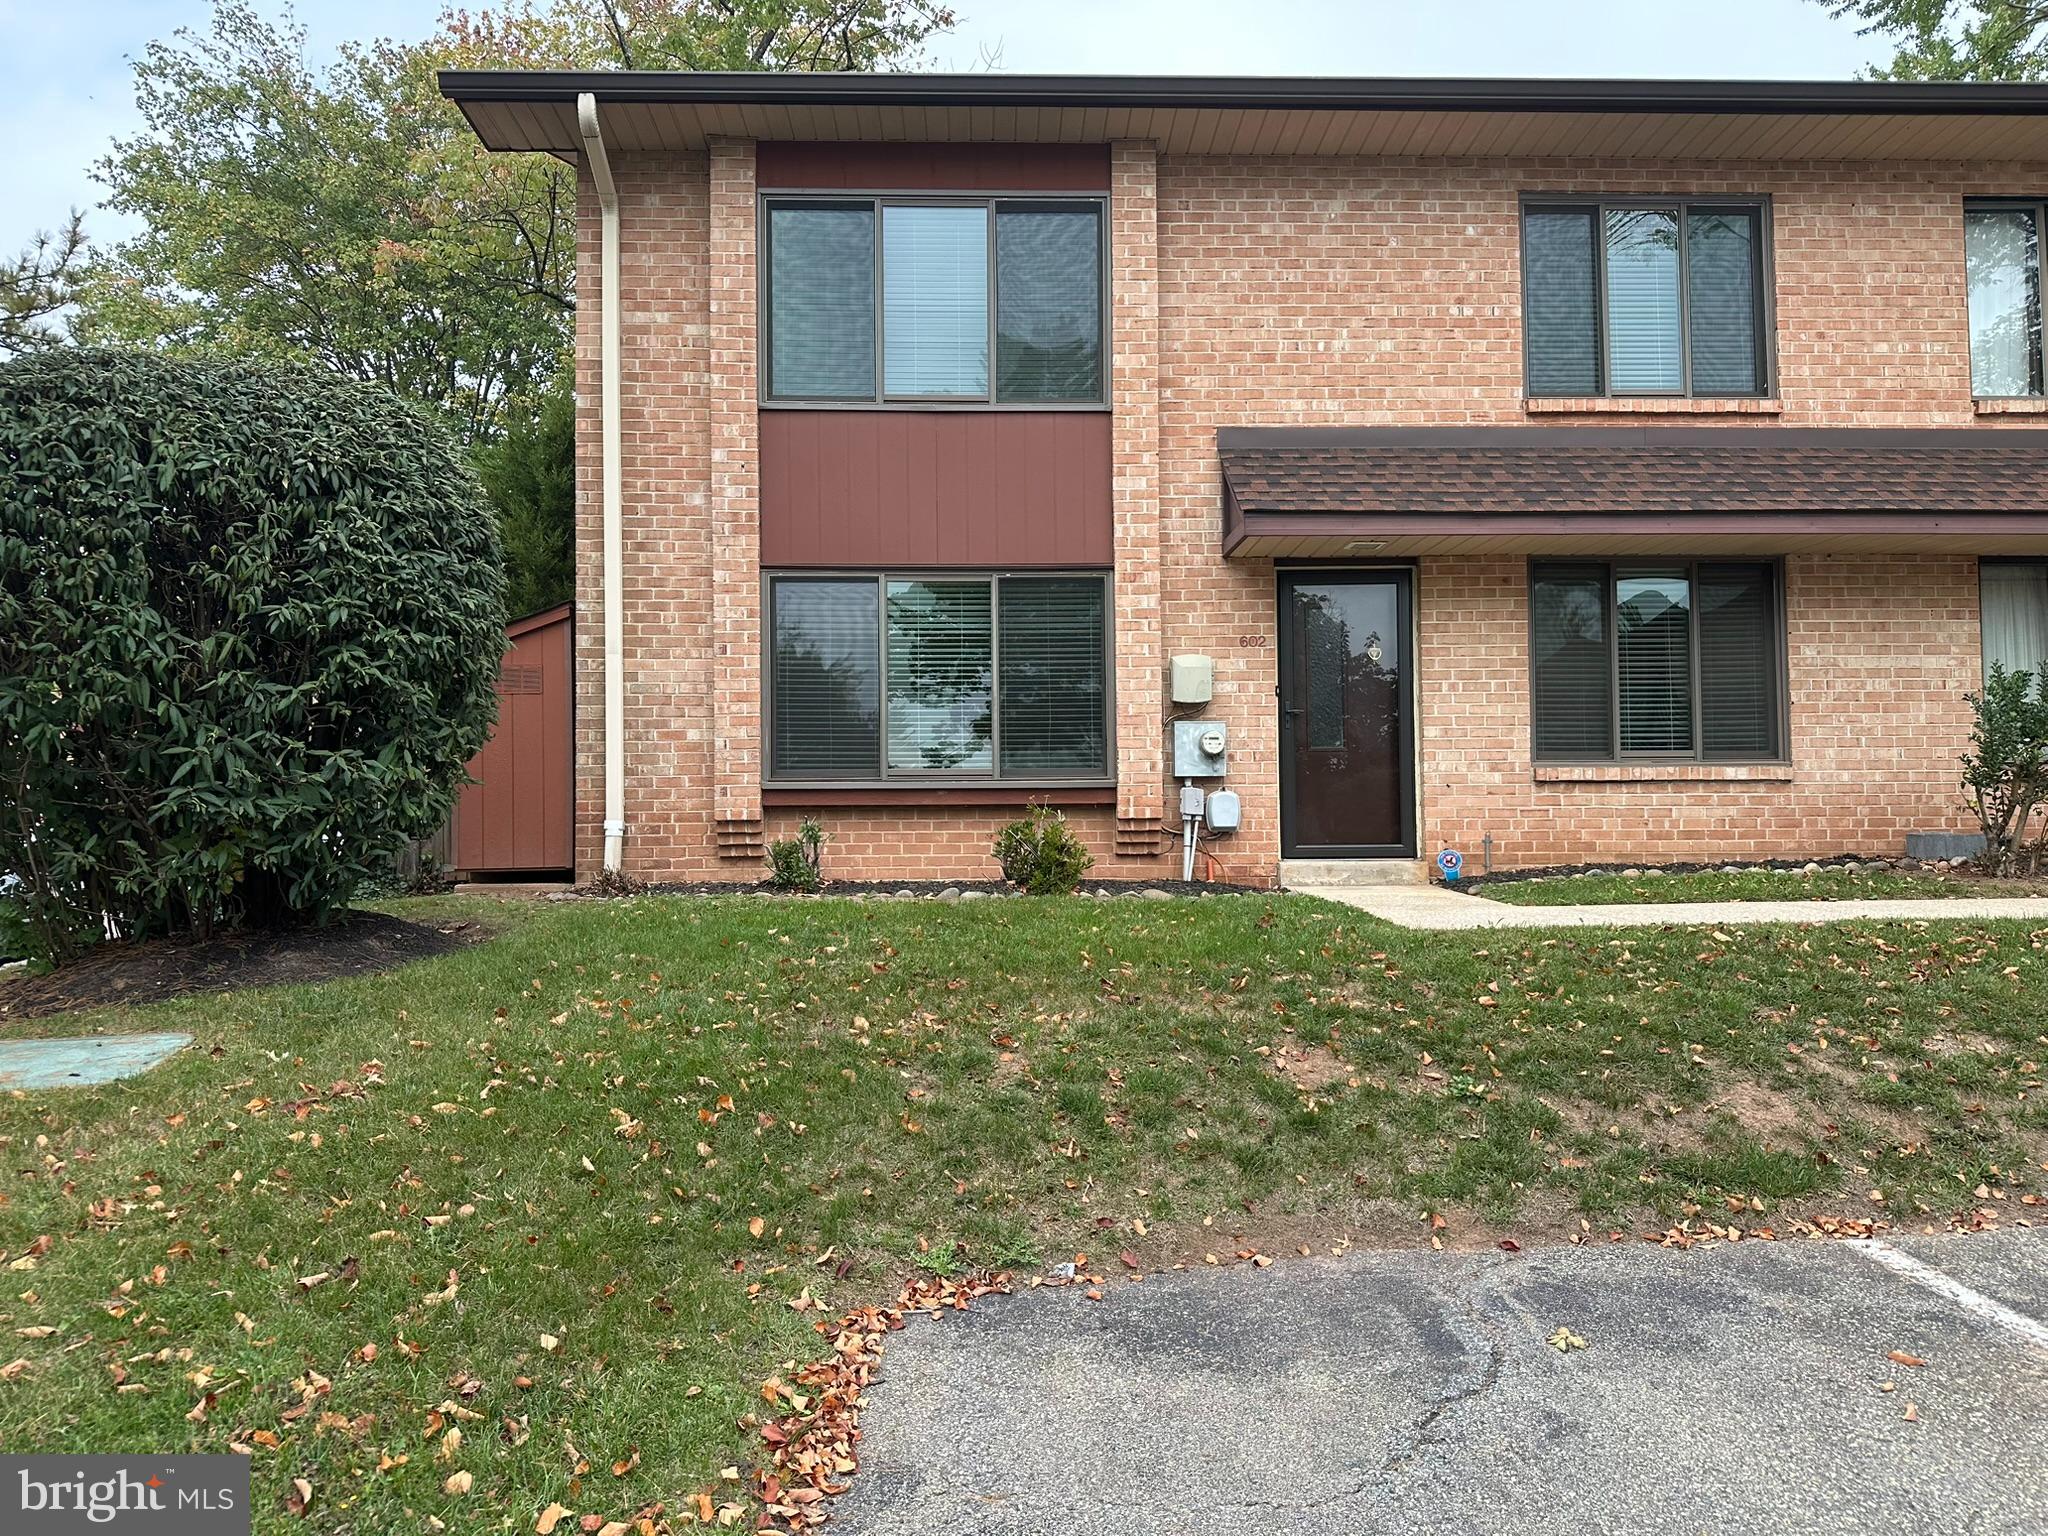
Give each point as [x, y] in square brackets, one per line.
[1734, 1389]
[1433, 907]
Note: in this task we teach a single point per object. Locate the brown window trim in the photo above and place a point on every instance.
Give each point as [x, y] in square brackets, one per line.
[881, 400]
[1009, 790]
[1767, 308]
[1615, 565]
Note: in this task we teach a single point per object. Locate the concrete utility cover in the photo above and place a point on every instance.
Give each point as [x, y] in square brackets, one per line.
[1735, 1389]
[83, 1060]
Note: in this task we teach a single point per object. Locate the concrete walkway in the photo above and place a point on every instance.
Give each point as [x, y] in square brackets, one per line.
[1729, 1390]
[1433, 907]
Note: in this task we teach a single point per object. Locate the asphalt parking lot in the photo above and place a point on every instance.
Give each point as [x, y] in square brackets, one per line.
[1731, 1389]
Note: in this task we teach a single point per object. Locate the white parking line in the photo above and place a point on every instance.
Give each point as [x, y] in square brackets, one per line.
[1974, 1302]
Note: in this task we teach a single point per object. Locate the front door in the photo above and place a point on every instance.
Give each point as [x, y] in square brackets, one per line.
[1346, 737]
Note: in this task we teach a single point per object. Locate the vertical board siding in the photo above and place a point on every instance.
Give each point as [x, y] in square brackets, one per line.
[863, 167]
[516, 815]
[935, 488]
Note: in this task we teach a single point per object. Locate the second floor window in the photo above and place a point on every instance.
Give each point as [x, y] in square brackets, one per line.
[995, 301]
[1645, 298]
[2002, 253]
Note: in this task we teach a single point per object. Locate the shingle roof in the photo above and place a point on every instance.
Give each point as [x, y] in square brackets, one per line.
[1635, 470]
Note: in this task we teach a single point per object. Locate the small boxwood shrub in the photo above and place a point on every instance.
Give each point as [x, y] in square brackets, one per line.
[793, 862]
[250, 624]
[1040, 854]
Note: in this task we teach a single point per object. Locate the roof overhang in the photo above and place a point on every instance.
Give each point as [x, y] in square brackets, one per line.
[1716, 120]
[1755, 490]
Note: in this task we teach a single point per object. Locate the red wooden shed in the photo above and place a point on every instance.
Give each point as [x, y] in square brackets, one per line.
[518, 817]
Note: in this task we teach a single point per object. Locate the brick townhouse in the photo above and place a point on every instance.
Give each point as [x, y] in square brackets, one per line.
[1550, 470]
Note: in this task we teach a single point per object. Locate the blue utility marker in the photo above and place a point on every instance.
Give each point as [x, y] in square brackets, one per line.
[82, 1061]
[1451, 862]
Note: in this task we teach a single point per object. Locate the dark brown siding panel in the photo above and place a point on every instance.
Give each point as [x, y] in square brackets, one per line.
[933, 167]
[934, 488]
[517, 814]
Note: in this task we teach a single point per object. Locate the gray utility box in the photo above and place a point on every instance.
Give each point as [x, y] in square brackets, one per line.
[1198, 749]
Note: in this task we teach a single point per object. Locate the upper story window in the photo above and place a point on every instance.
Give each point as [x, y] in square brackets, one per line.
[921, 300]
[2002, 252]
[1646, 297]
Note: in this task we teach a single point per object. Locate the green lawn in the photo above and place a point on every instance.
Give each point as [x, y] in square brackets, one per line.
[1828, 884]
[575, 1129]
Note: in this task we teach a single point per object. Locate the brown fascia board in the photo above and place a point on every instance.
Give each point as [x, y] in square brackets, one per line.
[1735, 437]
[1392, 526]
[1252, 93]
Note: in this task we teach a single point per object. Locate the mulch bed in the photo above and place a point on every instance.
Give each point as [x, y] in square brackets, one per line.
[935, 888]
[1871, 865]
[150, 972]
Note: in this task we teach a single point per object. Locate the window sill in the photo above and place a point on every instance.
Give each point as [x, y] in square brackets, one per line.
[1648, 405]
[2030, 405]
[1663, 773]
[785, 795]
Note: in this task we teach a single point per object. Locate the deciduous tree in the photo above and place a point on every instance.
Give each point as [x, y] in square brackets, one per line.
[347, 215]
[1955, 39]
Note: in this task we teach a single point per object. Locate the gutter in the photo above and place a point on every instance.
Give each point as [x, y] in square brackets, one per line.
[613, 484]
[1254, 93]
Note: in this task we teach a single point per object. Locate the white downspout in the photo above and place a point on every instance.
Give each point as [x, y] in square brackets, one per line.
[614, 484]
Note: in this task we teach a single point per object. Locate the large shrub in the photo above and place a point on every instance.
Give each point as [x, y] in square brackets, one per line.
[250, 623]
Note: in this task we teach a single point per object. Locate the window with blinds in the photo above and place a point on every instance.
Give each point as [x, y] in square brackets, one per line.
[2002, 259]
[1740, 716]
[1561, 300]
[1571, 668]
[1645, 298]
[1048, 301]
[1055, 674]
[997, 300]
[1678, 660]
[824, 679]
[821, 304]
[941, 683]
[934, 302]
[882, 678]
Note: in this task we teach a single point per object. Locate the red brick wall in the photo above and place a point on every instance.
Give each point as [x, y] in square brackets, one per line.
[1302, 292]
[669, 525]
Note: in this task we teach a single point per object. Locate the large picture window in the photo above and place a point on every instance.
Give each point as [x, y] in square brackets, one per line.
[1659, 297]
[1669, 659]
[2002, 257]
[879, 300]
[955, 677]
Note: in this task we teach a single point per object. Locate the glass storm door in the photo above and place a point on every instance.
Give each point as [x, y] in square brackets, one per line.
[1346, 736]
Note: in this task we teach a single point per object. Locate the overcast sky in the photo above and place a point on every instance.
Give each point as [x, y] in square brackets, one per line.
[64, 64]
